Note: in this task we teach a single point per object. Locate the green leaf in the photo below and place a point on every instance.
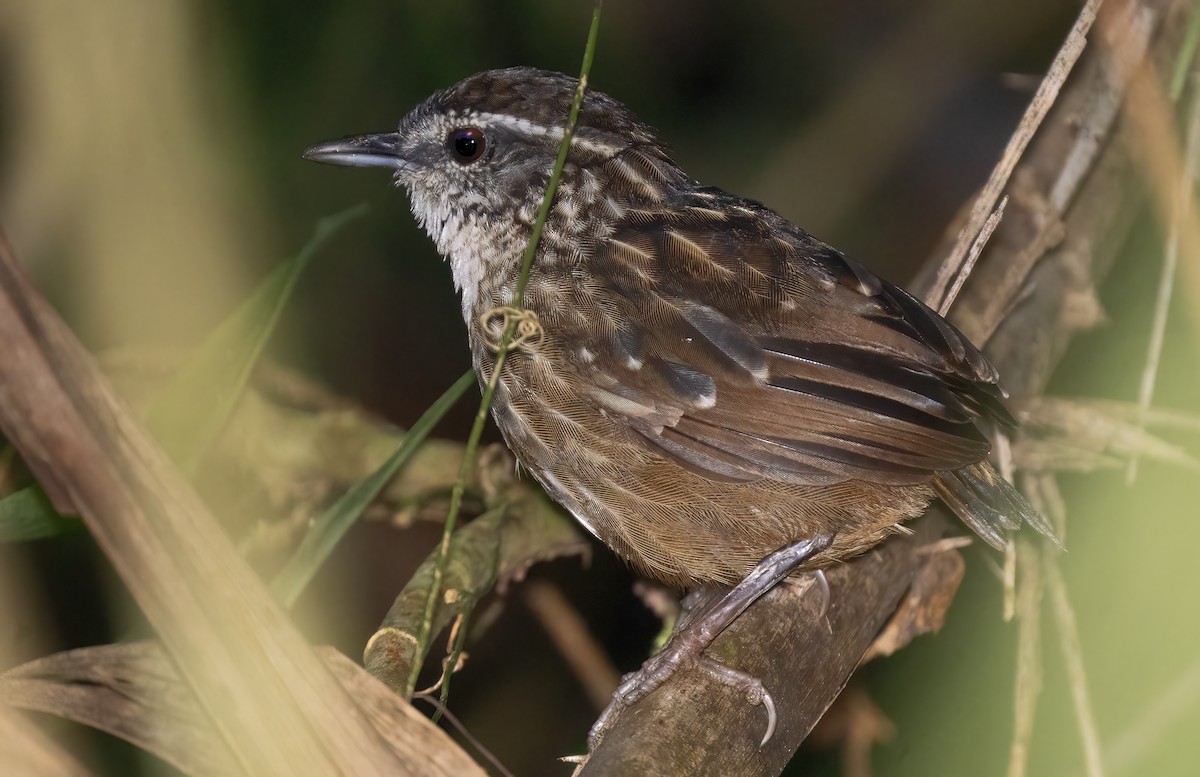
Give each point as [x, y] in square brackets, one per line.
[194, 407]
[337, 520]
[28, 515]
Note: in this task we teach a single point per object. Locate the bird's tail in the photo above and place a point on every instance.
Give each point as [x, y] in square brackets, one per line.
[989, 504]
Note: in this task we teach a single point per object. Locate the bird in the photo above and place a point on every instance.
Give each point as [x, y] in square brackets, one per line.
[708, 385]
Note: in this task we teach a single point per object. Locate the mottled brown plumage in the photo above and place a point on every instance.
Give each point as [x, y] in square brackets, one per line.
[713, 383]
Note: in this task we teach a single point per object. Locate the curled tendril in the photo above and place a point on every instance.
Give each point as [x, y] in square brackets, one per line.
[529, 333]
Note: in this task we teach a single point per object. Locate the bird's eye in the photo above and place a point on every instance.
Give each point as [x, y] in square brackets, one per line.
[466, 144]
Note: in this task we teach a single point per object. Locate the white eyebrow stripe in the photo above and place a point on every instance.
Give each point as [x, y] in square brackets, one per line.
[517, 124]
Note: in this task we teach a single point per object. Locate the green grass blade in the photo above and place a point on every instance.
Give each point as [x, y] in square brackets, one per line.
[193, 409]
[468, 459]
[1183, 65]
[337, 520]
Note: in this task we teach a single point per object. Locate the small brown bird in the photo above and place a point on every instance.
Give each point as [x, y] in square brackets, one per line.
[711, 383]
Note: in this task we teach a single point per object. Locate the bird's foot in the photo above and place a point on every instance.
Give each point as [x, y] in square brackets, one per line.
[756, 693]
[686, 647]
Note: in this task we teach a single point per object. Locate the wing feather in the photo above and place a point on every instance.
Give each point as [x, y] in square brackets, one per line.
[766, 354]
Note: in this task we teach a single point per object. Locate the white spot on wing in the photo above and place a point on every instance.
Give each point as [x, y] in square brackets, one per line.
[619, 404]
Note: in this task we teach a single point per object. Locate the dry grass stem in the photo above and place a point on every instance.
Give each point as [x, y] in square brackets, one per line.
[1072, 651]
[1152, 722]
[1045, 495]
[1029, 654]
[1183, 205]
[1161, 158]
[1084, 435]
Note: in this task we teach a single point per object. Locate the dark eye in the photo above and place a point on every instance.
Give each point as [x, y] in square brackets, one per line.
[466, 144]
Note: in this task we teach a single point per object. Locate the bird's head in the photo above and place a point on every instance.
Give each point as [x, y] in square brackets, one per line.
[476, 159]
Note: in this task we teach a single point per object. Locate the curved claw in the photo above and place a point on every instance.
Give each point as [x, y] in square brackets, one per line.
[756, 692]
[822, 584]
[772, 718]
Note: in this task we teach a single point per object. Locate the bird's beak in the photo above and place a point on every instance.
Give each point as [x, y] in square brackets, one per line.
[382, 150]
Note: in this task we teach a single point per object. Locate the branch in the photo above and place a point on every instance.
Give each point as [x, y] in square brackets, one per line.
[694, 725]
[1045, 263]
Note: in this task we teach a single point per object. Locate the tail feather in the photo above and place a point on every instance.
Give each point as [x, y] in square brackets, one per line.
[989, 504]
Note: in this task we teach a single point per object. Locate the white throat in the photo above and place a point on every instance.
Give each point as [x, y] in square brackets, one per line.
[461, 239]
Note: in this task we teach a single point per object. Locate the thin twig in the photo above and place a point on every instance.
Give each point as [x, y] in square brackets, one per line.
[1093, 126]
[964, 272]
[1008, 577]
[1008, 580]
[454, 651]
[1042, 101]
[465, 732]
[569, 632]
[502, 349]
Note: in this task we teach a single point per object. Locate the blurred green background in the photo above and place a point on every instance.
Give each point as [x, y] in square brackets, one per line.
[150, 174]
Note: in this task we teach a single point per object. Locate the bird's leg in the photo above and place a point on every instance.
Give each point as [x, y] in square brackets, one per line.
[698, 631]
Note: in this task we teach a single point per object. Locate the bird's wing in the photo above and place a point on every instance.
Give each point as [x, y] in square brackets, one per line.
[743, 348]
